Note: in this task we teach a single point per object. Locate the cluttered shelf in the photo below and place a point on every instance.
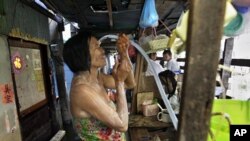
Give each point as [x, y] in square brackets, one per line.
[137, 120]
[148, 128]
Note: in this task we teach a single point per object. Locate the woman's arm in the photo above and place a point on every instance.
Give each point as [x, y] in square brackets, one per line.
[122, 108]
[130, 80]
[89, 100]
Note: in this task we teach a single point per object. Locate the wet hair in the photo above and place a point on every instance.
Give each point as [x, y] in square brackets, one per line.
[167, 78]
[76, 52]
[167, 52]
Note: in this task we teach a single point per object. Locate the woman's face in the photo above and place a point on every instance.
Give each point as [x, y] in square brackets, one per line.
[97, 54]
[166, 57]
[153, 56]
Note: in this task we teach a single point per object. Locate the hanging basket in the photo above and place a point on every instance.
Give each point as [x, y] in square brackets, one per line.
[153, 42]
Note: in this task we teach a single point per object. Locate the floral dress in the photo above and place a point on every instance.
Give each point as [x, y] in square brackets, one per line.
[91, 129]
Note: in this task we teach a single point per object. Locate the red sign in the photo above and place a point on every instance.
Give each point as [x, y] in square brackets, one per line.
[17, 63]
[7, 93]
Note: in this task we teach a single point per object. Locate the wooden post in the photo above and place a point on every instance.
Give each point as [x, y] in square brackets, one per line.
[109, 6]
[63, 98]
[138, 70]
[227, 58]
[205, 27]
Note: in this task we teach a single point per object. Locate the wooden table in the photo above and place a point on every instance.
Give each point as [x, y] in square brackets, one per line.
[139, 125]
[150, 122]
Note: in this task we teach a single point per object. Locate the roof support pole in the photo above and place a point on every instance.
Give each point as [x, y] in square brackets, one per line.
[205, 27]
[227, 59]
[109, 6]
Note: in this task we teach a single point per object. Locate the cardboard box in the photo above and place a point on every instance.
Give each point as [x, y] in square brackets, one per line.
[150, 109]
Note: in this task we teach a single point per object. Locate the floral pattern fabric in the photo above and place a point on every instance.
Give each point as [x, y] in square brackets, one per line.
[91, 129]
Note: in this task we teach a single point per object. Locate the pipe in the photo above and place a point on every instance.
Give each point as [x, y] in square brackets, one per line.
[157, 80]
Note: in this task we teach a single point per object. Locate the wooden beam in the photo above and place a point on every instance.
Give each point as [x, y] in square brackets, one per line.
[43, 11]
[241, 62]
[138, 71]
[238, 62]
[109, 6]
[234, 62]
[205, 27]
[59, 72]
[101, 32]
[227, 57]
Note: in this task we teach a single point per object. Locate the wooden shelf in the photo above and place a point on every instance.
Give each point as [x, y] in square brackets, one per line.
[150, 122]
[139, 134]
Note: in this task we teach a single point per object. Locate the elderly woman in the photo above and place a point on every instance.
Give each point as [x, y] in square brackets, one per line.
[95, 116]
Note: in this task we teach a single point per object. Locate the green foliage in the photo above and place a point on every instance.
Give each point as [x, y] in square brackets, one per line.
[155, 101]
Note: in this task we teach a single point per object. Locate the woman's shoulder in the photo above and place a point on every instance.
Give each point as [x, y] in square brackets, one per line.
[83, 88]
[83, 94]
[79, 79]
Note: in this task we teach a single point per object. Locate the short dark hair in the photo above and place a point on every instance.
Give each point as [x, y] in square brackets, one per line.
[167, 78]
[167, 51]
[150, 54]
[76, 52]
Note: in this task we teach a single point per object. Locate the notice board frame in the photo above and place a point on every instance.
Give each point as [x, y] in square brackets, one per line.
[15, 43]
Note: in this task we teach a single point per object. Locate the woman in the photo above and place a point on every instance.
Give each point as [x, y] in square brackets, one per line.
[157, 67]
[95, 116]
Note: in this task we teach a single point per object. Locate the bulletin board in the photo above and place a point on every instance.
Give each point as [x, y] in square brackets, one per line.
[29, 79]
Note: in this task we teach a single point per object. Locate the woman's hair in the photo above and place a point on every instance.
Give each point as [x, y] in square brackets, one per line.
[167, 78]
[76, 52]
[167, 51]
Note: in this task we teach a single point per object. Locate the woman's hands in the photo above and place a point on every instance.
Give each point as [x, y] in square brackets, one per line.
[121, 70]
[122, 45]
[122, 65]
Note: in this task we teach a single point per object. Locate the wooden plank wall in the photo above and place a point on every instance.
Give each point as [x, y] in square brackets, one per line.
[205, 27]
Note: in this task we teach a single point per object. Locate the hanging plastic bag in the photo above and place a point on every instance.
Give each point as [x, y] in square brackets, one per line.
[181, 28]
[241, 9]
[175, 43]
[245, 3]
[149, 16]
